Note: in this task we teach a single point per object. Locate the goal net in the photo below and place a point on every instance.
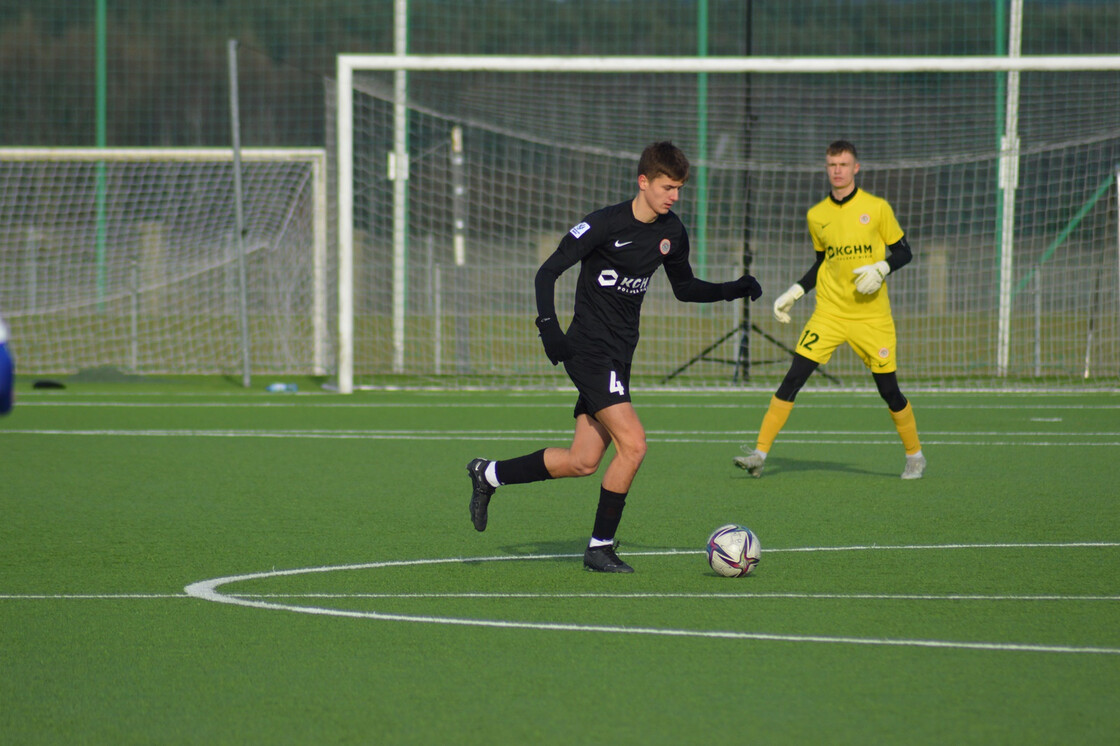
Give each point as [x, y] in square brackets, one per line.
[128, 259]
[454, 184]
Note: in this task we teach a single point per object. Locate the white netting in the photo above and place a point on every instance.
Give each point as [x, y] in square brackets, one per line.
[543, 149]
[128, 259]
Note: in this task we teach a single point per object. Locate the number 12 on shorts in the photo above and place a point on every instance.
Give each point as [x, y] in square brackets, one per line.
[808, 339]
[616, 386]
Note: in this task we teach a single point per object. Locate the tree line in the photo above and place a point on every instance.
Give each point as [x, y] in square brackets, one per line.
[167, 73]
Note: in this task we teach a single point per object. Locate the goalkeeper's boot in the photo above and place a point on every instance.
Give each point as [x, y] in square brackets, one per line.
[603, 559]
[480, 492]
[752, 462]
[915, 465]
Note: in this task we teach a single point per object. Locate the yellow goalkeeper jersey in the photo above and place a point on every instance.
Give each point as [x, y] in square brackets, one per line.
[851, 234]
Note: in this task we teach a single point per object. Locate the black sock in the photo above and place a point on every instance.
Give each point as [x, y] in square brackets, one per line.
[608, 514]
[523, 469]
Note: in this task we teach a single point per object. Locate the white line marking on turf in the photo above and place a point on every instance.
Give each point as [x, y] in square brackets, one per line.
[635, 596]
[536, 400]
[716, 437]
[207, 590]
[1019, 545]
[718, 596]
[80, 596]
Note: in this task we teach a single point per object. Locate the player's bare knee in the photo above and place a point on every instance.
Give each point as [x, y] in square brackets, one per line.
[634, 452]
[582, 467]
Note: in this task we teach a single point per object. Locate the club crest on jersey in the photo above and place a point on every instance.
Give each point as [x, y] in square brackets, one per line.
[665, 246]
[579, 230]
[865, 218]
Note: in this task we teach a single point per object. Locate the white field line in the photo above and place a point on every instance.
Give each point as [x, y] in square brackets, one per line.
[314, 401]
[558, 431]
[85, 596]
[636, 596]
[532, 595]
[933, 438]
[711, 596]
[646, 594]
[207, 590]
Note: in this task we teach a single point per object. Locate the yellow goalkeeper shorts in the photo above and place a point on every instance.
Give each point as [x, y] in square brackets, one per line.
[873, 340]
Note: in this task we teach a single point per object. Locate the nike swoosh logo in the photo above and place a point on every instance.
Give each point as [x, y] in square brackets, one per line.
[620, 244]
[825, 225]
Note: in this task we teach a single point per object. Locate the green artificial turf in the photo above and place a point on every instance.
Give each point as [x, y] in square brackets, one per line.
[980, 604]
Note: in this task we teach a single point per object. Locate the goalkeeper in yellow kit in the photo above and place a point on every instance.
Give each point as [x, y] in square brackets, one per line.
[858, 242]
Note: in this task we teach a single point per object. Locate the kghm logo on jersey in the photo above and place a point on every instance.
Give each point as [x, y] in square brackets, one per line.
[664, 246]
[834, 251]
[609, 278]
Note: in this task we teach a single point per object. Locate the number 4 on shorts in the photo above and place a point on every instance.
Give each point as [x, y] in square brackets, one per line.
[616, 386]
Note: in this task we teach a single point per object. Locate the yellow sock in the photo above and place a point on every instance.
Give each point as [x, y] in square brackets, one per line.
[907, 429]
[773, 422]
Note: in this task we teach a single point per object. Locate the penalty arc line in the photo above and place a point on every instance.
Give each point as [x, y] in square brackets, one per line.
[725, 635]
[207, 590]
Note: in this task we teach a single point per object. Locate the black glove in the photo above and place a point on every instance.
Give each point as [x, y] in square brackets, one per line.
[744, 286]
[555, 343]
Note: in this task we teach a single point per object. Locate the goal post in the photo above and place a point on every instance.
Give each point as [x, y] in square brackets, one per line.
[930, 140]
[126, 258]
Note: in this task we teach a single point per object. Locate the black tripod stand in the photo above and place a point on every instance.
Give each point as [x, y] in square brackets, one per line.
[742, 363]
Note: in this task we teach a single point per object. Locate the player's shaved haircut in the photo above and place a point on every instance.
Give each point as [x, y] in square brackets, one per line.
[663, 158]
[842, 146]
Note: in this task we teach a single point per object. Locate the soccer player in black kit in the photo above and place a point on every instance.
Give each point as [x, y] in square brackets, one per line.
[618, 248]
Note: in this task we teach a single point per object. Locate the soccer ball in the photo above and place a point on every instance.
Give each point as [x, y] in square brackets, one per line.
[733, 550]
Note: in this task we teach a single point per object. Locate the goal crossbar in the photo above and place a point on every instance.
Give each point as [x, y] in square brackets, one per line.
[316, 156]
[595, 64]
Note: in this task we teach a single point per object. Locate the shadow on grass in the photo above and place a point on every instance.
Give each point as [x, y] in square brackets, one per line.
[572, 549]
[788, 465]
[570, 553]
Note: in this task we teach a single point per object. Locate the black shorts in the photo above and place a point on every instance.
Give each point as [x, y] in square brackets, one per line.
[600, 383]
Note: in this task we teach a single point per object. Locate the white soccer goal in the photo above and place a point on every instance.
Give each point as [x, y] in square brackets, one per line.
[457, 175]
[127, 258]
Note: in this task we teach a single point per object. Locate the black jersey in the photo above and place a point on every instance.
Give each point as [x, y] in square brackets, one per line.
[619, 255]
